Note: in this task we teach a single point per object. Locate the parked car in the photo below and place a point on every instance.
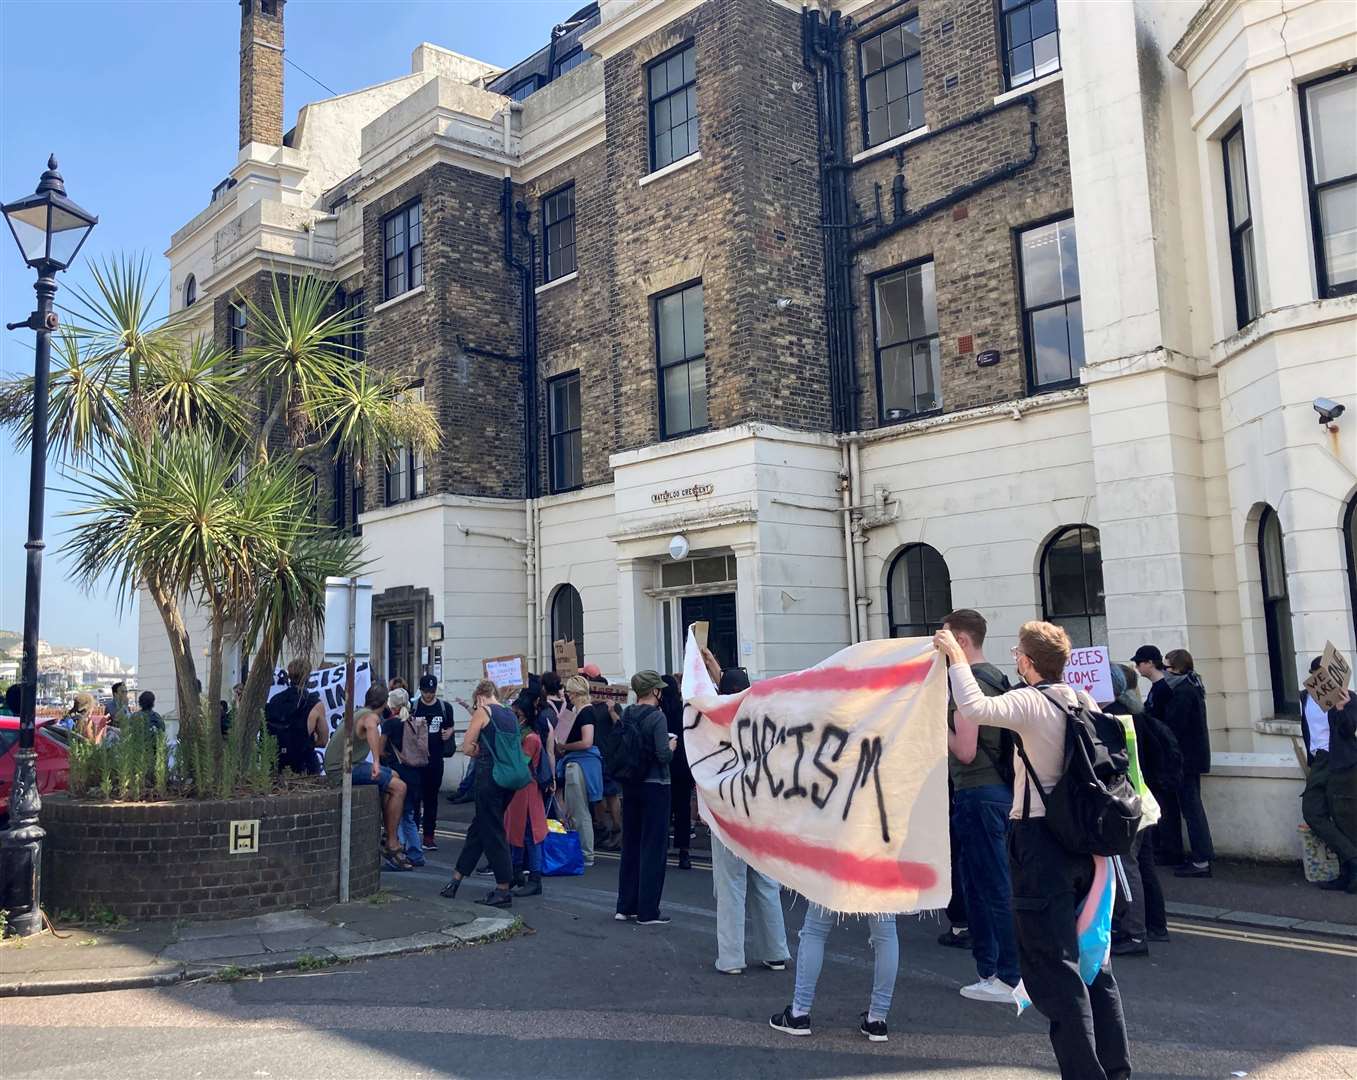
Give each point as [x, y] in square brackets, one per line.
[54, 763]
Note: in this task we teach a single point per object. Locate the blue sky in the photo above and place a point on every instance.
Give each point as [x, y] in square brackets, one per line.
[139, 103]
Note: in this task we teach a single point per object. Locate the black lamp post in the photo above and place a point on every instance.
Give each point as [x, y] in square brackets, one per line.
[49, 230]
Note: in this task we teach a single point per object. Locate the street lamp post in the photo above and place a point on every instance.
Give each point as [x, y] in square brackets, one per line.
[49, 229]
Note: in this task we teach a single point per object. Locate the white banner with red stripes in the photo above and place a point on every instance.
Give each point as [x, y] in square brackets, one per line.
[832, 780]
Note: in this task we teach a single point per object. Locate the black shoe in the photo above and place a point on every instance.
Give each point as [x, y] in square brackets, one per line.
[873, 1029]
[430, 844]
[450, 889]
[1193, 870]
[457, 800]
[1169, 860]
[955, 939]
[684, 863]
[1157, 935]
[497, 898]
[1130, 946]
[658, 920]
[531, 887]
[775, 965]
[1346, 876]
[792, 1025]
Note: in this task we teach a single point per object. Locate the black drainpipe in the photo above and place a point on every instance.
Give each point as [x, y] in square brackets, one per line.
[528, 328]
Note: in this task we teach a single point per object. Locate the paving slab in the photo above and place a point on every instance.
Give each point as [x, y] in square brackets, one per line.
[1196, 911]
[1258, 918]
[214, 947]
[1336, 929]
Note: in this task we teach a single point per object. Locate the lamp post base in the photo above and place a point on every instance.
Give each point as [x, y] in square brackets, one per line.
[21, 851]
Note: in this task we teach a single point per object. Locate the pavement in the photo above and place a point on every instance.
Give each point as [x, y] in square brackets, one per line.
[119, 955]
[578, 996]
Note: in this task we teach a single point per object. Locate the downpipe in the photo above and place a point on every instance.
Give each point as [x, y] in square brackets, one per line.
[850, 567]
[859, 536]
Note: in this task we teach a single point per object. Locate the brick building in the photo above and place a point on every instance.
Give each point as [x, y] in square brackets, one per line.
[805, 290]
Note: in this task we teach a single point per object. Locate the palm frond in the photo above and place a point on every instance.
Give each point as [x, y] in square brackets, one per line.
[85, 402]
[363, 414]
[201, 385]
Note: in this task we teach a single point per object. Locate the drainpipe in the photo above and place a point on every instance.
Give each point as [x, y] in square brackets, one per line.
[860, 601]
[850, 569]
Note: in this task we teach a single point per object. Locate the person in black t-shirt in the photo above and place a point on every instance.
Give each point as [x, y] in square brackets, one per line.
[406, 753]
[438, 714]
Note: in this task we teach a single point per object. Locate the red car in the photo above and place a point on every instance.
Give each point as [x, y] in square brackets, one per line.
[54, 764]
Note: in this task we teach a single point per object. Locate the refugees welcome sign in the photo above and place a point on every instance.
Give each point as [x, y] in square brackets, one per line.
[832, 780]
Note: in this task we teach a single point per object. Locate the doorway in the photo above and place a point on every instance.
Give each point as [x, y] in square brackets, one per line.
[723, 635]
[400, 650]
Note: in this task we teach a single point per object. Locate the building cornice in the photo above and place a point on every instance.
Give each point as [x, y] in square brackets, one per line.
[1201, 29]
[1284, 321]
[639, 22]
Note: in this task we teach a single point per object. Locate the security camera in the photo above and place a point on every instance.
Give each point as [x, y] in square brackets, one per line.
[1329, 411]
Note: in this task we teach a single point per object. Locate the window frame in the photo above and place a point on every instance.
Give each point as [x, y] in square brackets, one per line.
[1088, 614]
[1282, 705]
[534, 80]
[1005, 52]
[553, 436]
[652, 102]
[1029, 356]
[661, 366]
[859, 42]
[557, 70]
[1350, 554]
[897, 565]
[576, 603]
[877, 348]
[237, 328]
[191, 291]
[1236, 231]
[413, 463]
[406, 255]
[547, 276]
[1323, 288]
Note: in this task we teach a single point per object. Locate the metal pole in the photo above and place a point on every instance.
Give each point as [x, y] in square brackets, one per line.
[21, 888]
[346, 788]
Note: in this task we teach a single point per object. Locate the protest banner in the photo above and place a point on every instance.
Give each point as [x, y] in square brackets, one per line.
[506, 670]
[1090, 670]
[612, 694]
[700, 631]
[1327, 683]
[832, 780]
[328, 682]
[567, 656]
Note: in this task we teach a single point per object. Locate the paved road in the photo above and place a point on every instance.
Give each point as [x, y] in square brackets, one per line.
[585, 997]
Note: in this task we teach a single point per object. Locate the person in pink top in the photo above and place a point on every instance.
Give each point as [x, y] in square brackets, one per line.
[1088, 1030]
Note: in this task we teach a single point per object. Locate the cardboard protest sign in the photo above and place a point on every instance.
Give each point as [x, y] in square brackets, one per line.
[613, 694]
[833, 780]
[506, 670]
[567, 656]
[329, 684]
[1326, 684]
[700, 631]
[1090, 670]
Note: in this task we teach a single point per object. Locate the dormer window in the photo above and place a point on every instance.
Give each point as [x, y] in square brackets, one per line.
[521, 90]
[190, 291]
[268, 7]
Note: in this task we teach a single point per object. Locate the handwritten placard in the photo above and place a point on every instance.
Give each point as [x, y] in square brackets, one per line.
[1090, 670]
[1327, 683]
[506, 670]
[567, 657]
[612, 694]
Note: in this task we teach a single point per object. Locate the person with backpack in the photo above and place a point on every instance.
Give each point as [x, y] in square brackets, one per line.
[406, 752]
[438, 715]
[579, 765]
[981, 771]
[296, 718]
[680, 776]
[492, 743]
[1329, 802]
[525, 818]
[637, 753]
[1185, 715]
[1068, 752]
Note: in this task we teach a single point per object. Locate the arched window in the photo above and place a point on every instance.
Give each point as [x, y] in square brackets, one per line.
[919, 592]
[1350, 546]
[1072, 585]
[190, 291]
[567, 619]
[1281, 646]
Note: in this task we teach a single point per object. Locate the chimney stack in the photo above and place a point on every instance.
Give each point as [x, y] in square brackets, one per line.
[261, 71]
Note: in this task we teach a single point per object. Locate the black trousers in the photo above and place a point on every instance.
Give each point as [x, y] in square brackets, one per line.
[485, 835]
[956, 907]
[1179, 807]
[432, 782]
[1088, 1030]
[681, 802]
[645, 849]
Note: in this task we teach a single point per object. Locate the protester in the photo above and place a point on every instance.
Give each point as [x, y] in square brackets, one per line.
[490, 721]
[608, 812]
[525, 818]
[1149, 665]
[645, 807]
[366, 768]
[438, 715]
[981, 771]
[14, 696]
[1329, 801]
[396, 683]
[146, 711]
[1087, 1028]
[680, 778]
[296, 718]
[1185, 715]
[579, 765]
[120, 709]
[80, 718]
[405, 749]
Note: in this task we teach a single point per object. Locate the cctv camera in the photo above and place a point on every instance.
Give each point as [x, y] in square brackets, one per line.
[1329, 411]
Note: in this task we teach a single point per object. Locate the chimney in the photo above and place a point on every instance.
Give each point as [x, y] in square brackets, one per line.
[261, 71]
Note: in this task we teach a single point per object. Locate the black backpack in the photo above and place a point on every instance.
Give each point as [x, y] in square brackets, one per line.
[1003, 760]
[627, 749]
[1093, 809]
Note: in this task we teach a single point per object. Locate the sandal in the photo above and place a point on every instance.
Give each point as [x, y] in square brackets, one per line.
[397, 860]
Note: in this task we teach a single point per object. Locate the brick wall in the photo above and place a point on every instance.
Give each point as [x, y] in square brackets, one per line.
[261, 73]
[172, 859]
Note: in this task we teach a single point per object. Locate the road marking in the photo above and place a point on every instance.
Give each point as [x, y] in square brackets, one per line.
[1254, 937]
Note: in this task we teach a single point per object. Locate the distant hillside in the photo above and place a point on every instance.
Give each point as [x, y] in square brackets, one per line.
[10, 640]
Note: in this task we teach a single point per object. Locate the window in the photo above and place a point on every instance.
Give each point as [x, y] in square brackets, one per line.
[918, 592]
[1350, 546]
[571, 60]
[672, 83]
[1240, 221]
[238, 318]
[1329, 122]
[352, 304]
[709, 570]
[908, 358]
[405, 474]
[567, 619]
[527, 87]
[1072, 585]
[563, 425]
[892, 82]
[1053, 321]
[682, 360]
[1281, 645]
[558, 234]
[403, 250]
[190, 291]
[1031, 39]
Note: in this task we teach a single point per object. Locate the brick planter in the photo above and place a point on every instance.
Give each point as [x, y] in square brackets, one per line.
[169, 860]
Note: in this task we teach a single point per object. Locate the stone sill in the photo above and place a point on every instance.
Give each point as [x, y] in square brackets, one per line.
[1027, 88]
[572, 276]
[1277, 725]
[890, 144]
[1255, 767]
[672, 167]
[409, 294]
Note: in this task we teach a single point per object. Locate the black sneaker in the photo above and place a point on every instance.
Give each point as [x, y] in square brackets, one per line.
[775, 965]
[1193, 870]
[875, 1030]
[497, 898]
[658, 920]
[1157, 935]
[955, 939]
[792, 1025]
[1131, 946]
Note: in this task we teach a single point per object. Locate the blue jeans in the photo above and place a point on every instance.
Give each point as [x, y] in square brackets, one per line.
[408, 829]
[810, 956]
[530, 852]
[739, 889]
[980, 825]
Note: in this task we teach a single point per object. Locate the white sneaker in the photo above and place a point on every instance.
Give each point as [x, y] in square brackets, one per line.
[991, 989]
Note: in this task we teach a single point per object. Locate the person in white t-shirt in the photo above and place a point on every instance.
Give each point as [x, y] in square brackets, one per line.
[1327, 804]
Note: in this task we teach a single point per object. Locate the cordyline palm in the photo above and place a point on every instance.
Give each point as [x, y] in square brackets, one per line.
[87, 402]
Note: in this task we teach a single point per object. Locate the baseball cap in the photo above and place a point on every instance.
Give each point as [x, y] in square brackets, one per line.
[1148, 654]
[428, 682]
[643, 682]
[591, 671]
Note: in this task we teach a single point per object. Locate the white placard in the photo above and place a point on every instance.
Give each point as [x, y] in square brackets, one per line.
[506, 671]
[1090, 670]
[329, 684]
